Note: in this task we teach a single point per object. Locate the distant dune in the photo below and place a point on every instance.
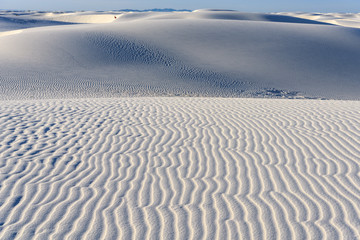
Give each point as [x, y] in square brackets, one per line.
[148, 125]
[200, 53]
[341, 19]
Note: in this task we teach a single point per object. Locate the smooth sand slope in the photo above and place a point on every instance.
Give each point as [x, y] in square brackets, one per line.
[201, 53]
[183, 168]
[341, 19]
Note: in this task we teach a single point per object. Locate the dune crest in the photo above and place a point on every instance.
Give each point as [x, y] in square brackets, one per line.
[10, 33]
[203, 53]
[341, 19]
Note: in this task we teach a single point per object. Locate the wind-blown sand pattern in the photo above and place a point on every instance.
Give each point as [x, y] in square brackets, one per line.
[184, 168]
[129, 125]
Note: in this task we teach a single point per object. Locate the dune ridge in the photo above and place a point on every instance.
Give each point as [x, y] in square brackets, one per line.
[341, 19]
[203, 53]
[185, 168]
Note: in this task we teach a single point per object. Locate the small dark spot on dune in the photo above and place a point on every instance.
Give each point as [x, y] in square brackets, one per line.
[35, 152]
[54, 160]
[16, 201]
[76, 165]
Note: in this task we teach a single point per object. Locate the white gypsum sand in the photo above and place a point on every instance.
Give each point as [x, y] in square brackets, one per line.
[201, 53]
[91, 149]
[185, 168]
[341, 19]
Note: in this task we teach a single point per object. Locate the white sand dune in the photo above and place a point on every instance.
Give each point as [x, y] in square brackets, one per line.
[184, 168]
[341, 19]
[17, 20]
[202, 53]
[91, 149]
[7, 33]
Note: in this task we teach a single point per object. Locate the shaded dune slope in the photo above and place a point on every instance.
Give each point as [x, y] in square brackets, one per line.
[12, 23]
[198, 55]
[223, 15]
[342, 19]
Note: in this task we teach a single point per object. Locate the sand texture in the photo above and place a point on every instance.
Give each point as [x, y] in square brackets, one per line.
[208, 124]
[184, 168]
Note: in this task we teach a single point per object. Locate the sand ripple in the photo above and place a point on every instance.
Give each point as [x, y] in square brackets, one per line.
[165, 168]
